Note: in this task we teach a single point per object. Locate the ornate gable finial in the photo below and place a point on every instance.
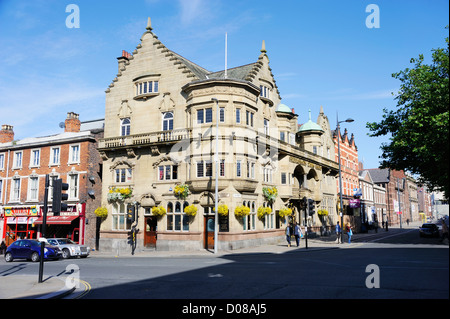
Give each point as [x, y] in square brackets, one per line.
[149, 24]
[263, 47]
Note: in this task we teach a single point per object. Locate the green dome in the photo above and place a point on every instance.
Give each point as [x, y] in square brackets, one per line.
[310, 126]
[283, 108]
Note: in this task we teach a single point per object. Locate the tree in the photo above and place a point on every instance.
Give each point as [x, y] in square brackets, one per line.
[419, 127]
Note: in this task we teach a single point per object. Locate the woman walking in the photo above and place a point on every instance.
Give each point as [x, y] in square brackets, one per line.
[349, 233]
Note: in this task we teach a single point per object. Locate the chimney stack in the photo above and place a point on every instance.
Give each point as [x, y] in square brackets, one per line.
[72, 123]
[6, 134]
[122, 60]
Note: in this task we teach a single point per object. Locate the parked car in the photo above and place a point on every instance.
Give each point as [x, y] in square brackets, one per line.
[429, 230]
[31, 249]
[70, 248]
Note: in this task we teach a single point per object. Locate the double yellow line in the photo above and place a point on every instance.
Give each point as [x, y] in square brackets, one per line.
[87, 288]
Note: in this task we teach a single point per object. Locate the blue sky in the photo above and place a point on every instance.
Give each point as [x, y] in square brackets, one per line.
[321, 53]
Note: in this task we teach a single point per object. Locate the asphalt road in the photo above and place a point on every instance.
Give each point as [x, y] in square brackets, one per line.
[403, 266]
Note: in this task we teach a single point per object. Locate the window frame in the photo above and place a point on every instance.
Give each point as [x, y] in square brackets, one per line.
[17, 159]
[71, 159]
[177, 219]
[33, 188]
[125, 172]
[167, 121]
[74, 186]
[52, 156]
[125, 128]
[15, 181]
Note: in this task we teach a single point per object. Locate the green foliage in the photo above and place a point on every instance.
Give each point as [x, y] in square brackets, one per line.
[419, 127]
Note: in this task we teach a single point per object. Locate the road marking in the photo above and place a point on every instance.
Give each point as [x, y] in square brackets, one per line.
[87, 288]
[384, 237]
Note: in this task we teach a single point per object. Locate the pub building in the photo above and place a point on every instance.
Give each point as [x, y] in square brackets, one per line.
[162, 114]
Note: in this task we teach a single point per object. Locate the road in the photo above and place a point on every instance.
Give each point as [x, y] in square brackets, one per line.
[401, 264]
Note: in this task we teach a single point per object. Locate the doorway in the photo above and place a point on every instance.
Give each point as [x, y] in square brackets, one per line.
[150, 233]
[209, 232]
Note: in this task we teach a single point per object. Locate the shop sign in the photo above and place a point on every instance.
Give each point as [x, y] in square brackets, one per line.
[21, 220]
[21, 211]
[355, 203]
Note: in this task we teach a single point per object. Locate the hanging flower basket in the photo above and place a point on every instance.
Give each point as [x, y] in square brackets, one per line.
[181, 191]
[285, 211]
[191, 210]
[222, 210]
[119, 194]
[322, 212]
[270, 193]
[241, 211]
[158, 211]
[101, 212]
[263, 211]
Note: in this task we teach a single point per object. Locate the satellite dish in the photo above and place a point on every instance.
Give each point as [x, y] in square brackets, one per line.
[62, 125]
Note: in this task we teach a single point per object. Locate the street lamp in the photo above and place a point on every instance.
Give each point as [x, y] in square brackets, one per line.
[349, 120]
[216, 160]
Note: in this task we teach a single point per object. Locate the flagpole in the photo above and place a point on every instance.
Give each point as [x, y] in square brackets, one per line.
[226, 44]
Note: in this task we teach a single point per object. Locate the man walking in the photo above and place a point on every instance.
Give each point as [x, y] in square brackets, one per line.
[297, 233]
[338, 233]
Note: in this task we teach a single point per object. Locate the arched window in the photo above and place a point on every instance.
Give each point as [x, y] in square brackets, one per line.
[177, 220]
[125, 126]
[167, 121]
[169, 216]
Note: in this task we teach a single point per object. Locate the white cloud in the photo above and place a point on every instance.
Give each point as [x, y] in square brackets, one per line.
[192, 10]
[350, 94]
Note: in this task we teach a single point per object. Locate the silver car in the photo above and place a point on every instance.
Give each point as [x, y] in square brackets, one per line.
[70, 248]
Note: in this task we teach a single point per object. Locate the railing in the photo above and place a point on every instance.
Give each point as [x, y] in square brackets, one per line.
[145, 138]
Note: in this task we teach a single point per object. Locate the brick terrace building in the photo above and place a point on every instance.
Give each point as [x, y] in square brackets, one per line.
[350, 178]
[397, 196]
[71, 156]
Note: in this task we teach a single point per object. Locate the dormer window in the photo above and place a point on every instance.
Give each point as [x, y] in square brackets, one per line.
[146, 86]
[265, 91]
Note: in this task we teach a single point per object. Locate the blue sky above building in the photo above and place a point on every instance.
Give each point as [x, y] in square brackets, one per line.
[321, 53]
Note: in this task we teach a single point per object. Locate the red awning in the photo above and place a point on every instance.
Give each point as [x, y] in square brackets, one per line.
[56, 220]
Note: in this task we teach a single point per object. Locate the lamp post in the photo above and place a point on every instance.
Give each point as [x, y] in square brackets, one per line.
[349, 120]
[216, 160]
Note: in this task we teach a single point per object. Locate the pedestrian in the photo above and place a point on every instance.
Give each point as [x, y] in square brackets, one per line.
[288, 235]
[338, 233]
[387, 227]
[297, 233]
[444, 230]
[2, 248]
[407, 221]
[349, 233]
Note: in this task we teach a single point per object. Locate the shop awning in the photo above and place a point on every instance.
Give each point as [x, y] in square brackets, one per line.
[56, 220]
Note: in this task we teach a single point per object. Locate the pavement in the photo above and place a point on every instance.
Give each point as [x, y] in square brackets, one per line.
[27, 286]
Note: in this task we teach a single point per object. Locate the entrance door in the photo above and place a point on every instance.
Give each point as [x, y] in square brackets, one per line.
[209, 232]
[150, 231]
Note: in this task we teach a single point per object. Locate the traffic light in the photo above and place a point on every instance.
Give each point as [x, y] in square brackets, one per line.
[131, 215]
[311, 207]
[305, 202]
[58, 196]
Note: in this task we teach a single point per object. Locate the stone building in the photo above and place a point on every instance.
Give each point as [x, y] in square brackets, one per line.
[71, 156]
[162, 116]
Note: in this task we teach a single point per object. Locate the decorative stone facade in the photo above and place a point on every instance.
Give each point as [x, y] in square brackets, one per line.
[161, 119]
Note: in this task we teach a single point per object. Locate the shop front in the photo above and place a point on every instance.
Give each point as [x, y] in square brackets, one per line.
[19, 223]
[69, 224]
